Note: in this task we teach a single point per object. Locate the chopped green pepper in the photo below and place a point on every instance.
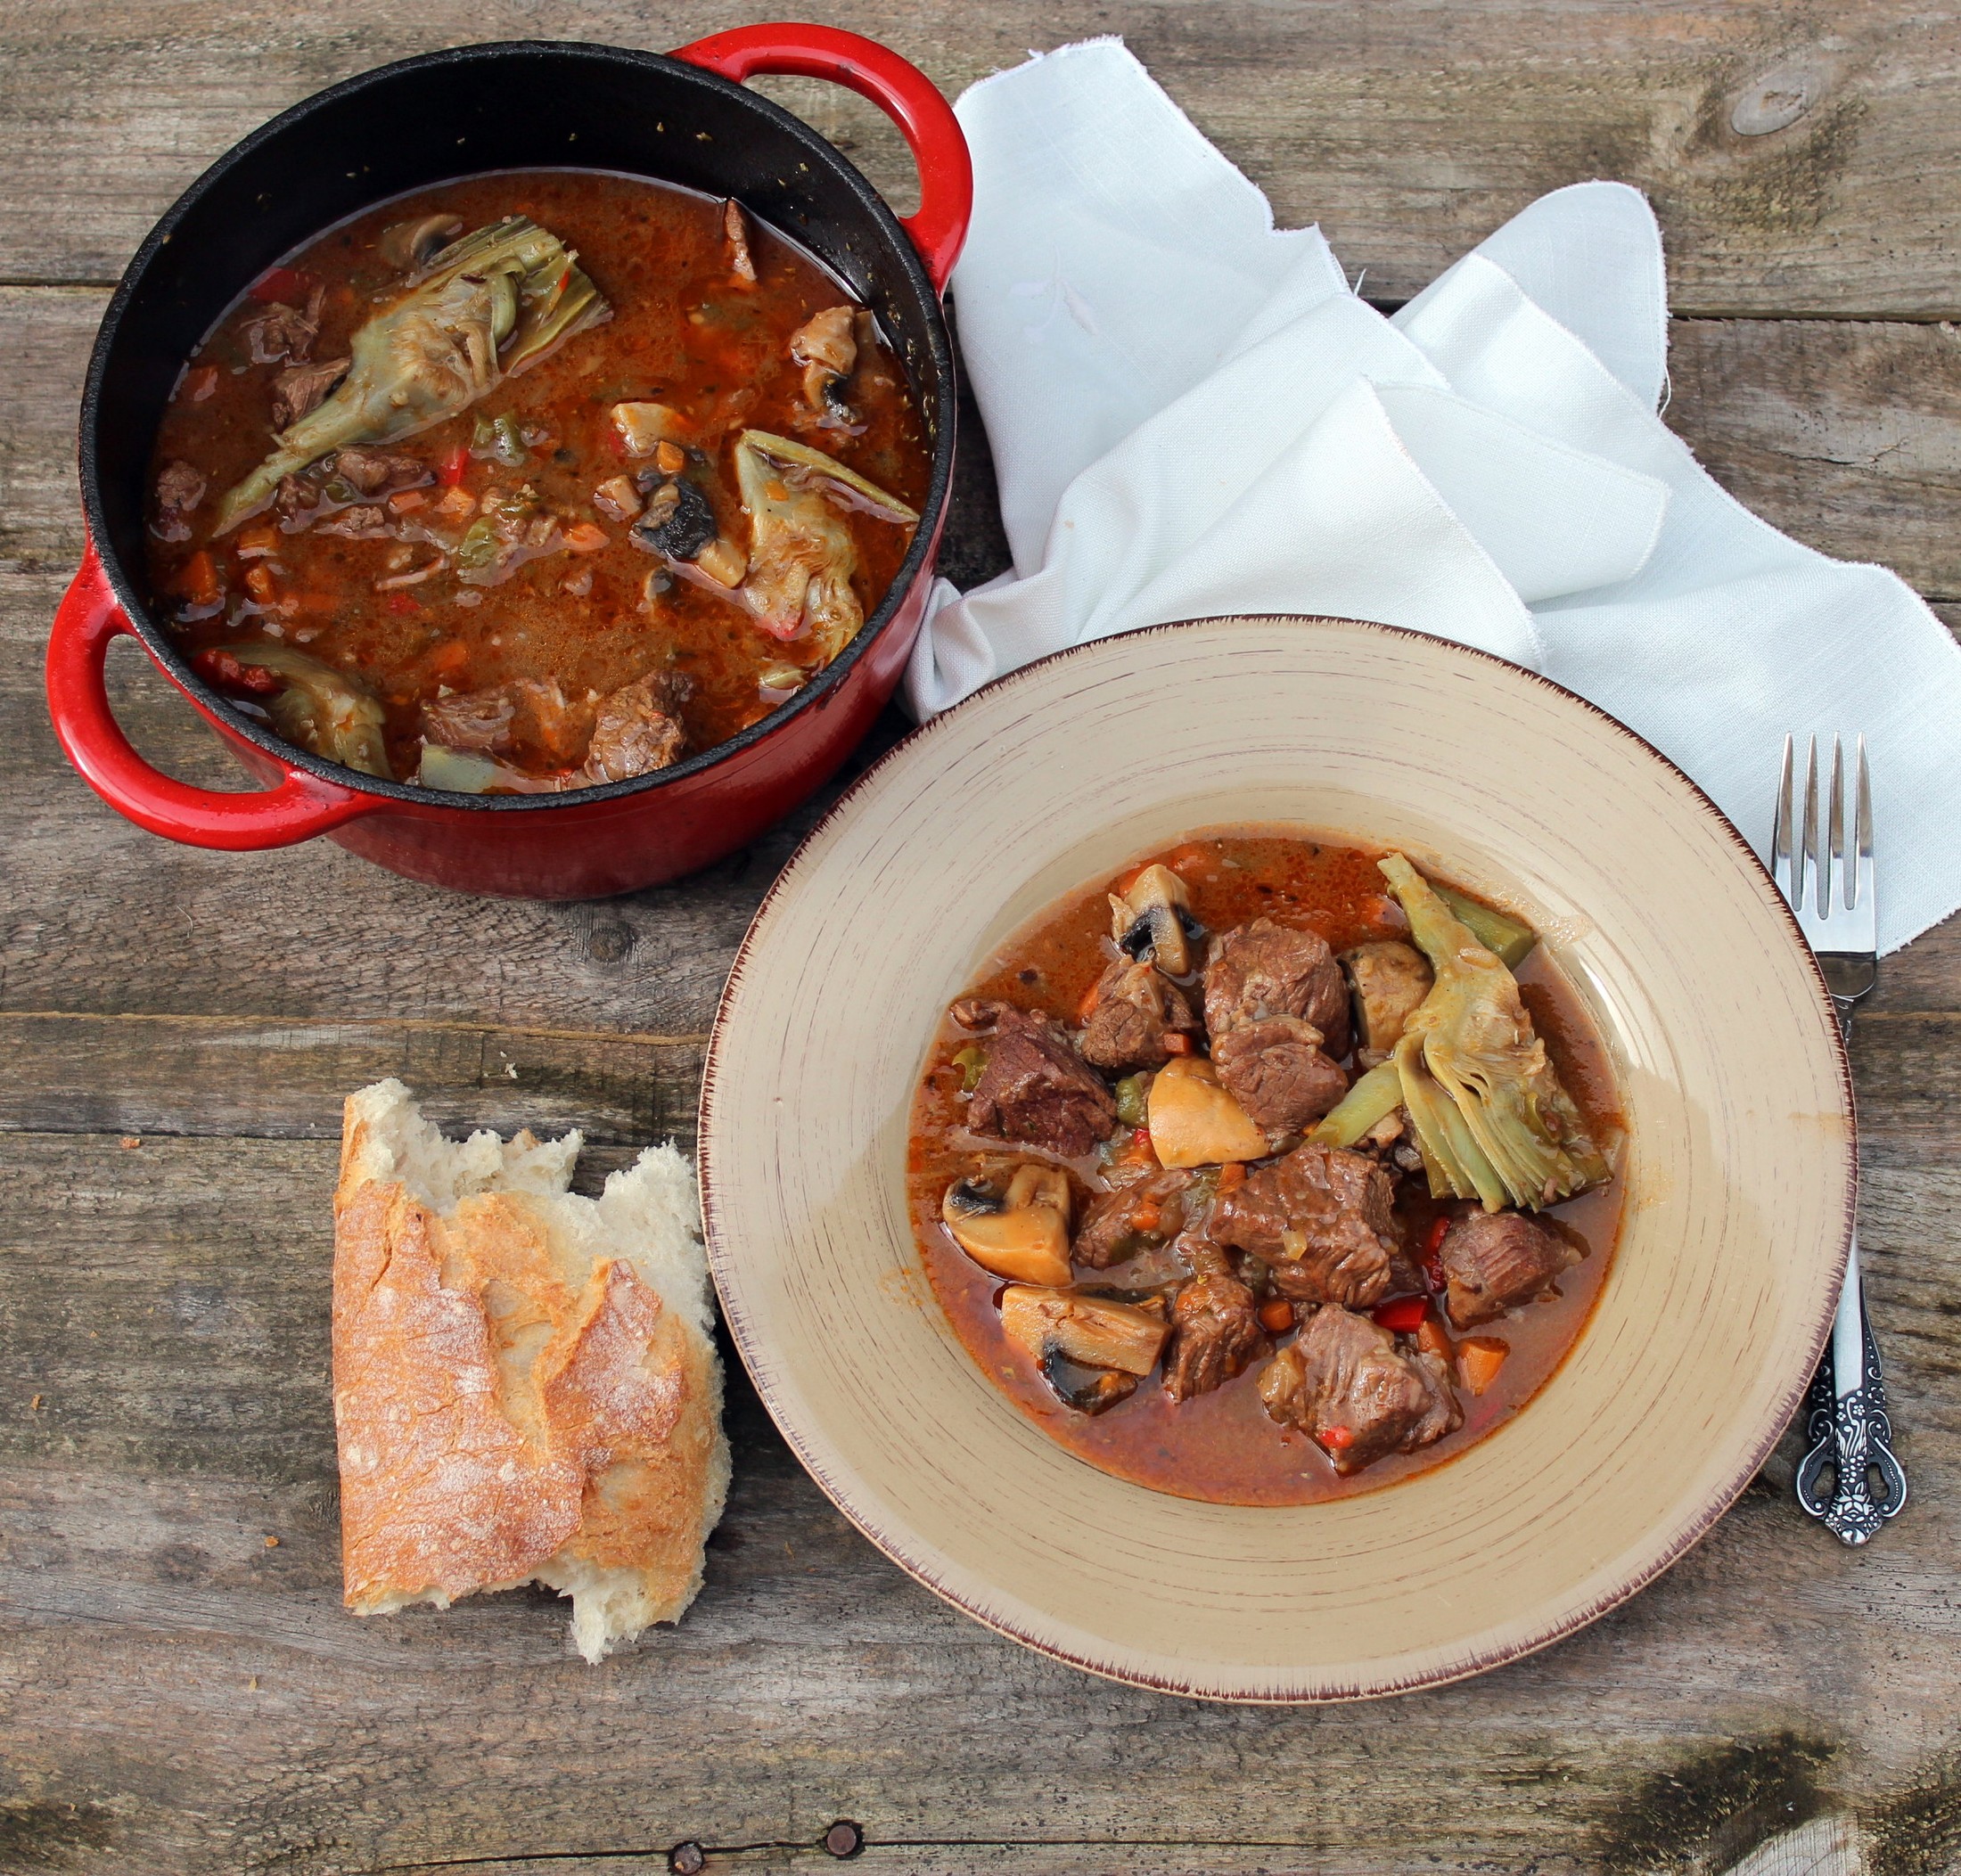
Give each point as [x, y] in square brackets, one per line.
[971, 1062]
[1131, 1092]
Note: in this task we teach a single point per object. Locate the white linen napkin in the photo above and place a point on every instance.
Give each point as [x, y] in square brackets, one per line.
[1191, 413]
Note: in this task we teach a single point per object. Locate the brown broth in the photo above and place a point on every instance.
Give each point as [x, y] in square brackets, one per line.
[1221, 1447]
[679, 333]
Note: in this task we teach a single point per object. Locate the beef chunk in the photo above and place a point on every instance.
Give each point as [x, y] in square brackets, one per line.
[639, 728]
[1493, 1260]
[180, 489]
[1320, 1220]
[1276, 1069]
[1344, 1382]
[365, 521]
[1130, 1218]
[1264, 969]
[301, 389]
[1215, 1332]
[283, 333]
[372, 470]
[1390, 980]
[1035, 1086]
[1136, 1007]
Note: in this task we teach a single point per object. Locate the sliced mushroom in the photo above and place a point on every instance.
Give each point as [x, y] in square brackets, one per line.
[1155, 918]
[1193, 1121]
[643, 426]
[1021, 1233]
[1389, 980]
[826, 347]
[1092, 1332]
[413, 244]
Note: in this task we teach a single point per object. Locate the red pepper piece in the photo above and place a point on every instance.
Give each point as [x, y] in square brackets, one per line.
[1404, 1317]
[1335, 1437]
[222, 671]
[1431, 1258]
[455, 466]
[281, 284]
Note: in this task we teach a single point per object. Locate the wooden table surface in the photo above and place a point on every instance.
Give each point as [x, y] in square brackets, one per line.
[180, 1689]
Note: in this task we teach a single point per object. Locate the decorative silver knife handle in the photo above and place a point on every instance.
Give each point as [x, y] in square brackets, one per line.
[1850, 1433]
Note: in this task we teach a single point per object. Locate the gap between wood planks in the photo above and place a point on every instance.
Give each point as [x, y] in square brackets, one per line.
[456, 1025]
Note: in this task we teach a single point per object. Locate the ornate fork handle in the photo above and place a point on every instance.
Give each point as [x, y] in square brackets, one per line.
[1852, 1433]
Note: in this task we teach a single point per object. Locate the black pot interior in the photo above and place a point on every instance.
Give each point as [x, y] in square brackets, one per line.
[460, 113]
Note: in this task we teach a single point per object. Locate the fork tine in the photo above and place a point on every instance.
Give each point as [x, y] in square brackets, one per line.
[1863, 874]
[1839, 876]
[1808, 857]
[1780, 831]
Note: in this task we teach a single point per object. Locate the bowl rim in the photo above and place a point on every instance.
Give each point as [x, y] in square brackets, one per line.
[914, 569]
[1693, 1531]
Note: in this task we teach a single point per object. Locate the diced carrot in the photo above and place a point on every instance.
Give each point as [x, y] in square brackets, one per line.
[282, 283]
[1402, 1316]
[454, 467]
[1177, 1042]
[586, 537]
[1147, 1216]
[197, 579]
[1334, 1438]
[1478, 1359]
[1087, 1008]
[1433, 1339]
[258, 583]
[1231, 1178]
[450, 657]
[1276, 1318]
[404, 501]
[256, 543]
[669, 458]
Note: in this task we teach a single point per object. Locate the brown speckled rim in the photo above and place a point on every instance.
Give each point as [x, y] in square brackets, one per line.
[894, 1544]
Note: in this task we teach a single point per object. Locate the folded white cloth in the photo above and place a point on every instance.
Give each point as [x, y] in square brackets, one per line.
[1191, 413]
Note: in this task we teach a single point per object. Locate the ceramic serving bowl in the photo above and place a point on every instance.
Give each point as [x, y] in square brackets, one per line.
[1740, 1171]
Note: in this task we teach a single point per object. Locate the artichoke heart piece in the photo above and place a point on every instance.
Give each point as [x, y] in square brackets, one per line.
[1492, 1117]
[800, 554]
[484, 307]
[323, 710]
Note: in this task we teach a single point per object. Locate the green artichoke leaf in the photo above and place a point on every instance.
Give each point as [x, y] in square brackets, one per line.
[1374, 1097]
[485, 307]
[1492, 1118]
[323, 710]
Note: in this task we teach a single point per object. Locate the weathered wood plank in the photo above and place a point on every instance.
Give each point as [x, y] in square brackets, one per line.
[164, 1410]
[1408, 130]
[1847, 435]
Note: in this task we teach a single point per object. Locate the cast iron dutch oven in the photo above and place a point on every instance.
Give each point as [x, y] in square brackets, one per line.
[683, 119]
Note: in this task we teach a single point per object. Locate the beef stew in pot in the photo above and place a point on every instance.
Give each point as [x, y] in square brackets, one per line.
[532, 481]
[1269, 1171]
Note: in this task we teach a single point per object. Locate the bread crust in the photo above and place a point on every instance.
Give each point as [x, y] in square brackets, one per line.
[513, 1405]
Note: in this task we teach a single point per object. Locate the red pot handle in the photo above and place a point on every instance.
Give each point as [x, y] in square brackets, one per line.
[87, 619]
[903, 92]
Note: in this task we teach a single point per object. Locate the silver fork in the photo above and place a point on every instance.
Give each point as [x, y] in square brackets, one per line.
[1828, 884]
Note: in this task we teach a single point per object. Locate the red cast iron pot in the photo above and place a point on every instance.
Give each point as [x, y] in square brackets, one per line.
[685, 118]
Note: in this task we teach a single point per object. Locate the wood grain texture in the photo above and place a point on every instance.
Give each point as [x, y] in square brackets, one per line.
[1407, 129]
[165, 1302]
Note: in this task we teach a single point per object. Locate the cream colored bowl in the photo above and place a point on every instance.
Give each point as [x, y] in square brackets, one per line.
[1740, 1169]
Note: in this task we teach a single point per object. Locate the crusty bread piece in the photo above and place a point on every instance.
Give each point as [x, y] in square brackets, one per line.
[525, 1382]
